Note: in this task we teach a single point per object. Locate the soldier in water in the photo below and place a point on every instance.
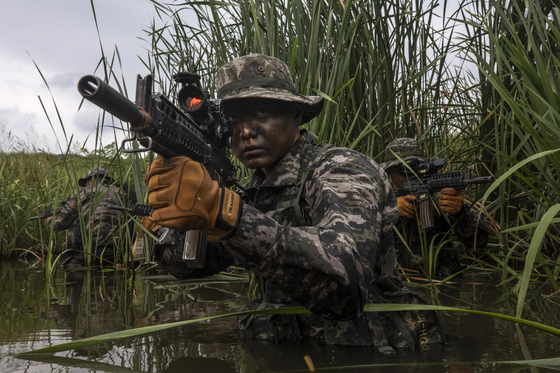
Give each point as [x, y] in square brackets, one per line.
[464, 223]
[314, 223]
[105, 227]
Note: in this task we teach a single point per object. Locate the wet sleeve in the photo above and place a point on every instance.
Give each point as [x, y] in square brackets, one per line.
[327, 267]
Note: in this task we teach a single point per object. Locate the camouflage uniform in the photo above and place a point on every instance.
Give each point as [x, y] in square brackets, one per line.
[317, 232]
[105, 226]
[464, 225]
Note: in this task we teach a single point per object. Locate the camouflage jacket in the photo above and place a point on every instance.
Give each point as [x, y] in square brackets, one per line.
[318, 232]
[330, 265]
[105, 224]
[466, 226]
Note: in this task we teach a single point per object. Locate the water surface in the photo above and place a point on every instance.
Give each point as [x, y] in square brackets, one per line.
[35, 313]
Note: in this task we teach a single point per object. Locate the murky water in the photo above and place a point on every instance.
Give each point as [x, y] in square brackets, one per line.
[35, 313]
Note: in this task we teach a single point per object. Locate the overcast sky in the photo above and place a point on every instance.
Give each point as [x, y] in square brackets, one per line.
[60, 37]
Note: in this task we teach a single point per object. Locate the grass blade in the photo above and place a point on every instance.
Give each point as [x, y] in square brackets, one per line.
[370, 307]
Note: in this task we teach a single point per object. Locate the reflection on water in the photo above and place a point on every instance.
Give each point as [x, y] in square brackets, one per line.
[35, 313]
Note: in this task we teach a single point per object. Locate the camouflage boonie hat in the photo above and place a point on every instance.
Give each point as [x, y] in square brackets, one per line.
[260, 76]
[94, 172]
[403, 148]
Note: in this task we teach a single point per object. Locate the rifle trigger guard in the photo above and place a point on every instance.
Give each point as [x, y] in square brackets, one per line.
[139, 150]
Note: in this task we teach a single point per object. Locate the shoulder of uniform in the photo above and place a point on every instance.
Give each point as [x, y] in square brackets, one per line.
[340, 154]
[340, 158]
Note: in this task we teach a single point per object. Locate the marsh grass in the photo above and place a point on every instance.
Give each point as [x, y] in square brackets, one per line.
[34, 179]
[34, 182]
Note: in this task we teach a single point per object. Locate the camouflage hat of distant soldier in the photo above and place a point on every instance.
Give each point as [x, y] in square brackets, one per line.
[401, 149]
[260, 76]
[96, 171]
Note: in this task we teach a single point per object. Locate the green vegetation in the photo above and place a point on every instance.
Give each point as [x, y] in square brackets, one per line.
[36, 181]
[369, 307]
[478, 86]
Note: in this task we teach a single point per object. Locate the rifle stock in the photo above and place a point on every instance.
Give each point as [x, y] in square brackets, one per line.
[202, 133]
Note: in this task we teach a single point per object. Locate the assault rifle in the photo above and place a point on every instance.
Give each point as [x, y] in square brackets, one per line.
[136, 209]
[48, 213]
[422, 180]
[200, 132]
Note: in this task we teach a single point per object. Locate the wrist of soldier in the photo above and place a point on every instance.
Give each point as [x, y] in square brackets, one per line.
[228, 215]
[461, 212]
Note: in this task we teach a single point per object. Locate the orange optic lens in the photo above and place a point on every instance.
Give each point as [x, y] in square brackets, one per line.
[195, 101]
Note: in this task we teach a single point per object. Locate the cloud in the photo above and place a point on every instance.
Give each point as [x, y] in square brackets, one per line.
[58, 41]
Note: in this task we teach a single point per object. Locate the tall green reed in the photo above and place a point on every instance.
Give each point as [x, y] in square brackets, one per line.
[515, 46]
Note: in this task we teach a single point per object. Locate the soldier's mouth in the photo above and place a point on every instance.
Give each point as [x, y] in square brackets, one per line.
[252, 151]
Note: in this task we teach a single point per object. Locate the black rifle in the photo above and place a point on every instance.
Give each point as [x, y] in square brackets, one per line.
[422, 180]
[48, 213]
[200, 132]
[134, 209]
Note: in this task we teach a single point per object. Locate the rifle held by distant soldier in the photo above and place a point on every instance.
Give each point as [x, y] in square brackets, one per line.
[48, 213]
[134, 209]
[422, 180]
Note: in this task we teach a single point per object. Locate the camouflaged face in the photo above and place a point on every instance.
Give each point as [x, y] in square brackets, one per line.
[94, 172]
[403, 148]
[260, 76]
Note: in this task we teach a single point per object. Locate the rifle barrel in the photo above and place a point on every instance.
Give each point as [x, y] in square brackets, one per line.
[103, 95]
[115, 207]
[481, 180]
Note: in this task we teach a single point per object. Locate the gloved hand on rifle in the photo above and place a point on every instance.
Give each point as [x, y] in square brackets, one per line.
[451, 200]
[149, 224]
[407, 206]
[184, 197]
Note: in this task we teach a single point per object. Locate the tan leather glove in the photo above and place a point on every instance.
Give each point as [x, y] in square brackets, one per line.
[49, 221]
[451, 200]
[213, 238]
[407, 207]
[184, 197]
[150, 225]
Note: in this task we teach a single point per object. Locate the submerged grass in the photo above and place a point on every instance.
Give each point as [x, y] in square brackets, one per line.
[370, 307]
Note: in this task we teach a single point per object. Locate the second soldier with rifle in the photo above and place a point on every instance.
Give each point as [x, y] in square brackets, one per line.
[411, 175]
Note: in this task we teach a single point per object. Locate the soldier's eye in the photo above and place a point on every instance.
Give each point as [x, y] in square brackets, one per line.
[262, 111]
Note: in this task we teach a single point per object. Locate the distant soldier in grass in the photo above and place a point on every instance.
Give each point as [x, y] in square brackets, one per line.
[314, 223]
[463, 222]
[106, 227]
